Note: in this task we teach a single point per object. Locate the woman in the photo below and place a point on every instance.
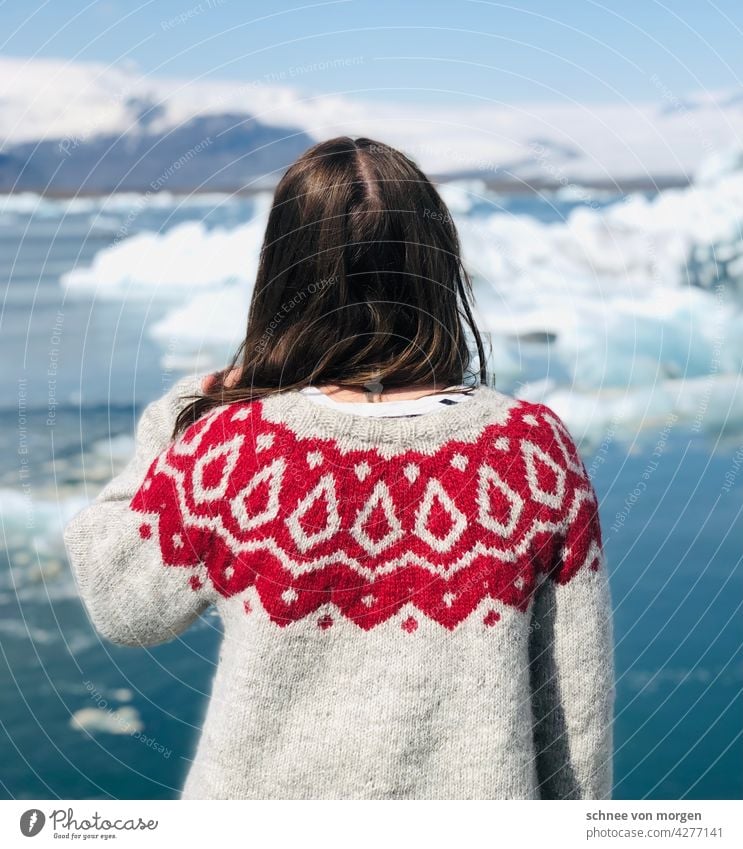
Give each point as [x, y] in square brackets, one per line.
[407, 562]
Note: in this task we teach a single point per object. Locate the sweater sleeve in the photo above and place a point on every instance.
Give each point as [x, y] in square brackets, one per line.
[130, 596]
[571, 645]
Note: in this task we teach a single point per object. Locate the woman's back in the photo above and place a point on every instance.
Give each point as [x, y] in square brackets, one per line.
[413, 607]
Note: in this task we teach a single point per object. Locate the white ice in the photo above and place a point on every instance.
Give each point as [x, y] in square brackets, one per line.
[611, 285]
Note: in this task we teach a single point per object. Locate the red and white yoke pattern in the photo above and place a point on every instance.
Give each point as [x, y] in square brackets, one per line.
[308, 523]
[375, 551]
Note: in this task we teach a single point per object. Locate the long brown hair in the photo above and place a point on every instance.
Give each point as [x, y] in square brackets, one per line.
[360, 281]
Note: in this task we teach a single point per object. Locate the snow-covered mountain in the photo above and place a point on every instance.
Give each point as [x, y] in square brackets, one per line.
[72, 127]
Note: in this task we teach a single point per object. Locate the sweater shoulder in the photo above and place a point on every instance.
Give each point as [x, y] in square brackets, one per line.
[540, 423]
[222, 422]
[537, 431]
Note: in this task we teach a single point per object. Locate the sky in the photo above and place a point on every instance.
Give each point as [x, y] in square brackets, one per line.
[447, 52]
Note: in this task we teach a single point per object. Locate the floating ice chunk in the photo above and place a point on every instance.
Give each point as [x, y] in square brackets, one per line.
[536, 390]
[461, 196]
[583, 194]
[117, 448]
[37, 206]
[173, 264]
[150, 264]
[211, 323]
[122, 694]
[719, 164]
[46, 517]
[123, 720]
[710, 404]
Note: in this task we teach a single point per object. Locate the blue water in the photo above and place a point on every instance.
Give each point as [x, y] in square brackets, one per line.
[675, 557]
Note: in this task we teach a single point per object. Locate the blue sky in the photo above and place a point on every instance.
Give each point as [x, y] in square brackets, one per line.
[439, 51]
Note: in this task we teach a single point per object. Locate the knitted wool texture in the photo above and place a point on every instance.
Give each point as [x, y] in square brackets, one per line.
[412, 608]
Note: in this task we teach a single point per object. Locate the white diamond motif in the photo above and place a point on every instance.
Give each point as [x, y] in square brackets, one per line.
[435, 492]
[324, 489]
[380, 497]
[273, 474]
[230, 451]
[489, 477]
[533, 455]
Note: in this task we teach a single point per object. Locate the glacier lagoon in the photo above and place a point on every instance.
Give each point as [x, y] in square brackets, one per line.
[621, 312]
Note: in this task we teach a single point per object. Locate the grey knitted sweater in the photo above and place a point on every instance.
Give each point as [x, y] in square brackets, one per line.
[413, 608]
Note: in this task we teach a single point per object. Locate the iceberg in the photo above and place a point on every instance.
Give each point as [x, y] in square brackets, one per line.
[186, 258]
[642, 294]
[123, 720]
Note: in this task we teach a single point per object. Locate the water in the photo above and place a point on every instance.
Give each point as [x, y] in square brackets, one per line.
[78, 372]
